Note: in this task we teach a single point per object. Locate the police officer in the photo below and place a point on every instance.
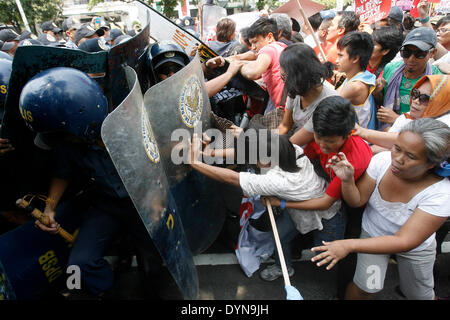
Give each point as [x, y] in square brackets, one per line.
[167, 58]
[67, 109]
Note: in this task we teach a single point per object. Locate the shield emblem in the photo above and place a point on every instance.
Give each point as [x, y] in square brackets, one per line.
[129, 139]
[177, 106]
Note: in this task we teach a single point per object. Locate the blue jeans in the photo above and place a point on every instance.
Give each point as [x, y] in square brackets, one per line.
[333, 229]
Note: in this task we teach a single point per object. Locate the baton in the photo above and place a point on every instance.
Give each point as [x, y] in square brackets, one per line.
[42, 218]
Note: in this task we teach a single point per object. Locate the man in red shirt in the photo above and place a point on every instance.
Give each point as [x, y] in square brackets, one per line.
[263, 36]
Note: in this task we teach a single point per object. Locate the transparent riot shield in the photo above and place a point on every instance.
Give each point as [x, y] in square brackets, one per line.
[128, 137]
[176, 106]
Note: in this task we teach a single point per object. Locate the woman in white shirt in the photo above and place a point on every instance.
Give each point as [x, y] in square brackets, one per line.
[406, 203]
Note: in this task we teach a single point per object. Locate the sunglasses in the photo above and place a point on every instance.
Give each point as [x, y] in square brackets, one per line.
[423, 98]
[419, 54]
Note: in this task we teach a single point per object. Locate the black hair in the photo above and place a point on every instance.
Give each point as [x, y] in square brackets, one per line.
[244, 35]
[334, 116]
[295, 25]
[262, 27]
[273, 142]
[388, 38]
[303, 69]
[408, 21]
[297, 37]
[349, 20]
[315, 20]
[358, 44]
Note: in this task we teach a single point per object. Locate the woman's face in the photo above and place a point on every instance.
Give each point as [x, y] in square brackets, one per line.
[408, 156]
[417, 108]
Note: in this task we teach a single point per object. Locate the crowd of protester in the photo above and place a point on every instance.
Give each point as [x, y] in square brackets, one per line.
[361, 113]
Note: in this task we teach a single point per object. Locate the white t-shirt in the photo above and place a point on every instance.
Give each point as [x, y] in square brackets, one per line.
[302, 117]
[382, 217]
[401, 121]
[444, 59]
[302, 185]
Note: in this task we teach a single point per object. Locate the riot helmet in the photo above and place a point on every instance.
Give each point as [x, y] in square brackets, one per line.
[64, 100]
[167, 58]
[5, 74]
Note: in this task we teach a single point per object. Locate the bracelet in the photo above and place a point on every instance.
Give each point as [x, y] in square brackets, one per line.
[283, 204]
[424, 20]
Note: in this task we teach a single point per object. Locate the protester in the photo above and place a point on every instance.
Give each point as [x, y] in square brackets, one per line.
[290, 175]
[394, 19]
[284, 24]
[315, 21]
[344, 22]
[354, 51]
[387, 43]
[429, 99]
[304, 76]
[393, 90]
[225, 35]
[263, 35]
[406, 203]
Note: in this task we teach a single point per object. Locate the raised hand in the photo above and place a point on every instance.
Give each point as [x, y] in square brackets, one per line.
[341, 167]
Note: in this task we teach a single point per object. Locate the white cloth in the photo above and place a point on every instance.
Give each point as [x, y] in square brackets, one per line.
[301, 116]
[253, 245]
[385, 218]
[444, 59]
[402, 121]
[302, 185]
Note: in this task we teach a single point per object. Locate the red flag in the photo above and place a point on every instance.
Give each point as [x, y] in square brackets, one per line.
[371, 11]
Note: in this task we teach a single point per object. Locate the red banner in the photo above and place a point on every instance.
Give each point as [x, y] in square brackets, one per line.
[414, 12]
[371, 11]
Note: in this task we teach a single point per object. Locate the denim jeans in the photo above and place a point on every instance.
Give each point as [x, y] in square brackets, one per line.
[333, 229]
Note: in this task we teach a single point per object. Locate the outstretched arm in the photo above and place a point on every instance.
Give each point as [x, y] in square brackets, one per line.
[219, 174]
[419, 227]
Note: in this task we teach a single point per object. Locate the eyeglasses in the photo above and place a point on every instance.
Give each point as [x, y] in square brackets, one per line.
[442, 30]
[423, 98]
[419, 54]
[283, 76]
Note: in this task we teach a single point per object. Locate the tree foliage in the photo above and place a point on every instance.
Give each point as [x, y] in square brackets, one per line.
[36, 12]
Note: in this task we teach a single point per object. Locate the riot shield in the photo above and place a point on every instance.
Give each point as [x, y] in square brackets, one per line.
[181, 102]
[161, 28]
[128, 137]
[132, 53]
[211, 14]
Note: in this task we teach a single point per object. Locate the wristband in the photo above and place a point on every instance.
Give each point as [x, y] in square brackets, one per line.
[424, 20]
[283, 204]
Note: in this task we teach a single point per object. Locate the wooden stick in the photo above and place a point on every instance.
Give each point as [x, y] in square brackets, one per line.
[45, 220]
[305, 18]
[287, 282]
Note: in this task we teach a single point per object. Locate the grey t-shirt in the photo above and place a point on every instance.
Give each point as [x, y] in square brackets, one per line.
[303, 118]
